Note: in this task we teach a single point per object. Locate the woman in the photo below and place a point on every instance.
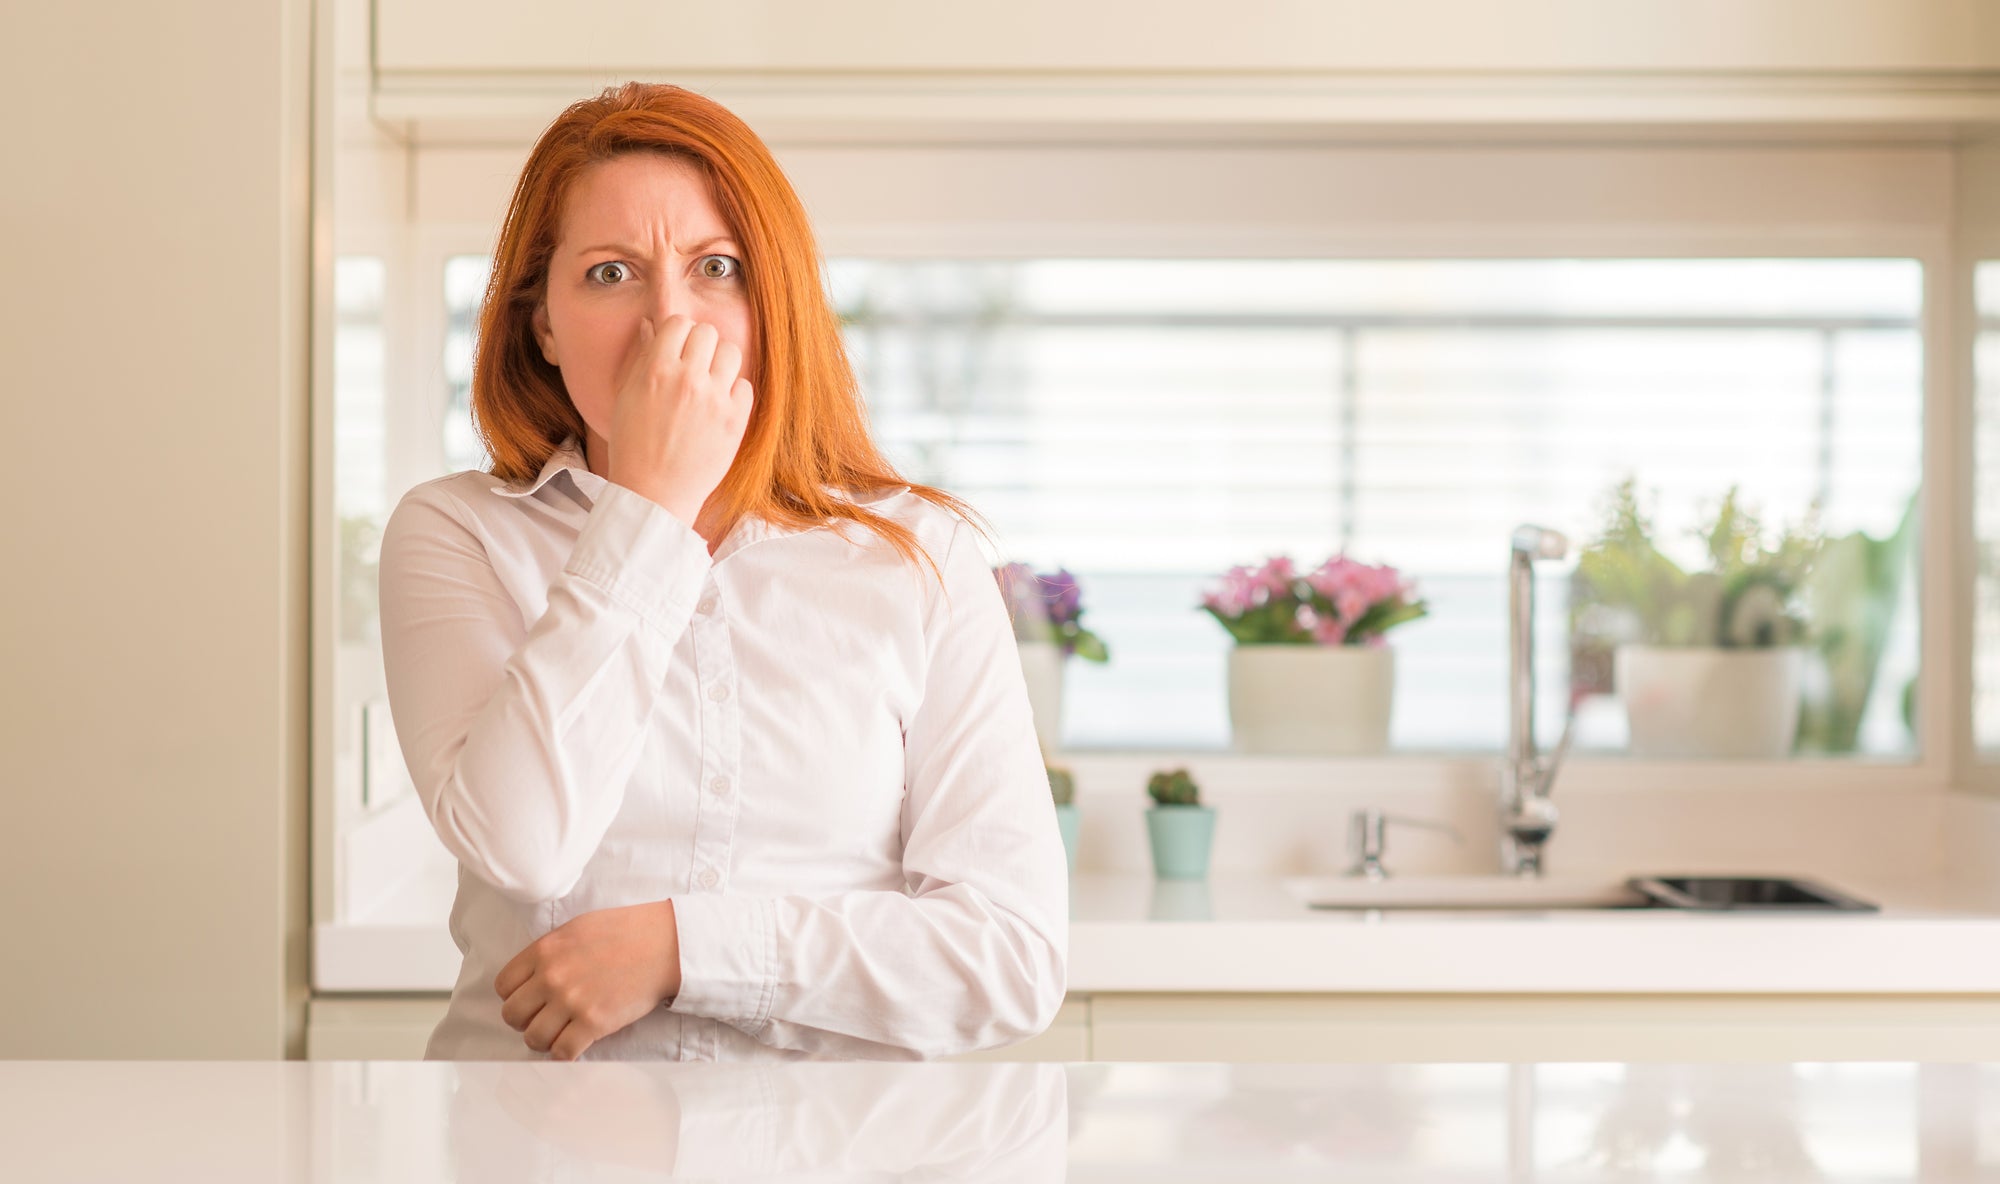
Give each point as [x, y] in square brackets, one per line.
[722, 720]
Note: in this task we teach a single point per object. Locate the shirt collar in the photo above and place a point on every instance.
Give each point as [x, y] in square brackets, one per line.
[569, 455]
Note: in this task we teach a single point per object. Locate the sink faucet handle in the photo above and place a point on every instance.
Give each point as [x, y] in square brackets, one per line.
[1367, 831]
[1457, 836]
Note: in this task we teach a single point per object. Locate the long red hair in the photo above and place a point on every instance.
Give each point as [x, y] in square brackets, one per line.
[808, 429]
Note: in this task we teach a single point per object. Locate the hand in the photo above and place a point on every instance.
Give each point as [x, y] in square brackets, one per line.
[681, 411]
[591, 976]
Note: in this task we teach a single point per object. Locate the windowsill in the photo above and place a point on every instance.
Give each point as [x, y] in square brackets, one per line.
[1225, 771]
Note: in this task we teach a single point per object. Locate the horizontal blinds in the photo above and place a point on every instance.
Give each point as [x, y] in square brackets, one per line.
[1149, 424]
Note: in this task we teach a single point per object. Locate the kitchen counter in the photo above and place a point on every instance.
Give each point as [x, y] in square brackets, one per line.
[1247, 933]
[327, 1123]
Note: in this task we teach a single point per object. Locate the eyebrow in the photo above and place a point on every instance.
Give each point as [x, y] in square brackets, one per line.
[624, 249]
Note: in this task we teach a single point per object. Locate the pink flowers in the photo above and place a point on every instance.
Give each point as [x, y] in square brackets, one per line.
[1242, 590]
[1340, 602]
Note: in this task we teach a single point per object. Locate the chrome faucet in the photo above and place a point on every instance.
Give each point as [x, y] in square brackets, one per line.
[1367, 831]
[1527, 817]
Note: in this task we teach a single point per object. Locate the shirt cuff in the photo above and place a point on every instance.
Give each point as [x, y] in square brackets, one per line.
[642, 557]
[729, 958]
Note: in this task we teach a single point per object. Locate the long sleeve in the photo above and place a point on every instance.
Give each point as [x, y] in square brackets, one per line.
[973, 954]
[521, 737]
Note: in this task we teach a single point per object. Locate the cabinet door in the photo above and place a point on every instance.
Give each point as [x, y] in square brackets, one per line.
[397, 1030]
[371, 1029]
[1448, 1028]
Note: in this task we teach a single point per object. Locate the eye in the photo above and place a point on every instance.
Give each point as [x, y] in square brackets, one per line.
[719, 267]
[612, 272]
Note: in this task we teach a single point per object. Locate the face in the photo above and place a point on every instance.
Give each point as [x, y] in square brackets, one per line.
[640, 237]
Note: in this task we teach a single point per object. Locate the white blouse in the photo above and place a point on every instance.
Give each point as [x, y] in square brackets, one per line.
[829, 766]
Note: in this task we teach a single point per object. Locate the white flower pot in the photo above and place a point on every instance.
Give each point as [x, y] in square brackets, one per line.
[1704, 702]
[1042, 666]
[1311, 699]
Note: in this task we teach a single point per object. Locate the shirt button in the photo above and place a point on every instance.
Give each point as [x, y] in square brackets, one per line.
[720, 785]
[718, 692]
[708, 877]
[706, 606]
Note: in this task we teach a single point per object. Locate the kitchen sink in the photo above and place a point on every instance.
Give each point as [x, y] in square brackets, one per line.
[1454, 893]
[1534, 894]
[1747, 894]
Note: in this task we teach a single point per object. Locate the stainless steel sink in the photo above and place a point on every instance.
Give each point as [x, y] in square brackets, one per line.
[1737, 894]
[1535, 894]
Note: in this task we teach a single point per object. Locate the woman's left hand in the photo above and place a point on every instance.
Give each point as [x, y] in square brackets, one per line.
[591, 976]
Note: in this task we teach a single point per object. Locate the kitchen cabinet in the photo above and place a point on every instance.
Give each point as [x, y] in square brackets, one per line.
[1370, 1028]
[454, 71]
[1383, 1028]
[395, 1029]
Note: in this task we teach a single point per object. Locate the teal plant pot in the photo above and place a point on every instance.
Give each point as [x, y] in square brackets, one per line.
[1181, 837]
[1180, 900]
[1068, 820]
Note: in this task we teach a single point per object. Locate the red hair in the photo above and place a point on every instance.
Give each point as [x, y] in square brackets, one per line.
[808, 429]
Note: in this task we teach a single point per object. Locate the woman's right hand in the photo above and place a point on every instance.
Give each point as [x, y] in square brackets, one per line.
[681, 411]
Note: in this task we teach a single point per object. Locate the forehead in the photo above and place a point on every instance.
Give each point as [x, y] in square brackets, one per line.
[641, 194]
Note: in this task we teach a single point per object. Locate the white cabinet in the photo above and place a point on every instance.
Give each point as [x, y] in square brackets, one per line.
[1406, 1028]
[371, 1029]
[651, 37]
[451, 69]
[1391, 1028]
[396, 1029]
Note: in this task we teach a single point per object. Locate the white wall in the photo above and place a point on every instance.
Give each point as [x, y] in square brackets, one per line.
[152, 742]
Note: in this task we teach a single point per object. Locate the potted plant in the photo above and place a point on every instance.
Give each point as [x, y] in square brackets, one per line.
[1062, 785]
[1709, 663]
[1047, 611]
[1311, 670]
[1850, 598]
[1179, 827]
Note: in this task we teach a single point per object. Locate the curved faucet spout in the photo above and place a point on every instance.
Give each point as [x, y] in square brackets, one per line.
[1526, 817]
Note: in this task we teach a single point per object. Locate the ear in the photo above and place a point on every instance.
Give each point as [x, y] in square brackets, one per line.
[544, 336]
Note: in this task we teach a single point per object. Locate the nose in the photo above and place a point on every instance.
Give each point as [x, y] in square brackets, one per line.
[667, 297]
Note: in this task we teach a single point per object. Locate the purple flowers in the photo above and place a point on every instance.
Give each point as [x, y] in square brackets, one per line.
[1049, 607]
[1340, 602]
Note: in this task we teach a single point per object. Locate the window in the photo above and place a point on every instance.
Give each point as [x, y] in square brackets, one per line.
[1986, 510]
[1148, 423]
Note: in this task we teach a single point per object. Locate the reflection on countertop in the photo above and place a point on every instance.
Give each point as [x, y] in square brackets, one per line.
[224, 1122]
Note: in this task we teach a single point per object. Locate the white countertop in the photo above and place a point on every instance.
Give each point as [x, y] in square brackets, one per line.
[333, 1122]
[1246, 933]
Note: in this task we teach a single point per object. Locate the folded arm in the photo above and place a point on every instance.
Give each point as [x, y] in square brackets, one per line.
[973, 953]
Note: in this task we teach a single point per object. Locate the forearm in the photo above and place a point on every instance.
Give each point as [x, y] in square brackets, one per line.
[874, 973]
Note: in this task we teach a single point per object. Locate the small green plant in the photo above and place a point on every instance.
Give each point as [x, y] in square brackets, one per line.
[1174, 787]
[1062, 784]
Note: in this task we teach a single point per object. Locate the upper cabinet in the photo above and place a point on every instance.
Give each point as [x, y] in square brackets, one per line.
[449, 68]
